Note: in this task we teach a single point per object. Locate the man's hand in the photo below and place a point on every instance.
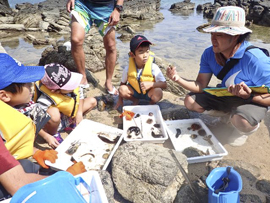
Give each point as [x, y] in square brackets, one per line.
[41, 156]
[114, 18]
[172, 73]
[70, 5]
[240, 90]
[76, 168]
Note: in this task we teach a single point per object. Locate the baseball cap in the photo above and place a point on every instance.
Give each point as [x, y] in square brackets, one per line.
[137, 41]
[12, 71]
[229, 20]
[58, 76]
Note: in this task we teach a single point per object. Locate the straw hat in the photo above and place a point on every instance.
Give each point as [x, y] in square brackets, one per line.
[230, 20]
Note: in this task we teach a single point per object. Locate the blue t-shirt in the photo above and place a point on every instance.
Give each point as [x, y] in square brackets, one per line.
[253, 67]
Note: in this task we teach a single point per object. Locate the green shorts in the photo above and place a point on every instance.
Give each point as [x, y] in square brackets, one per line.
[87, 14]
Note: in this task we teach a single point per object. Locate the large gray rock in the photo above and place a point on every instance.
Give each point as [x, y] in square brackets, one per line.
[146, 172]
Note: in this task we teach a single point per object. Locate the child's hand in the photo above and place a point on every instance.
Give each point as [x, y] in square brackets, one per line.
[172, 73]
[41, 156]
[146, 85]
[53, 143]
[76, 168]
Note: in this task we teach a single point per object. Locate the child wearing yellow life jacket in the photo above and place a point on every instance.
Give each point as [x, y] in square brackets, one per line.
[18, 135]
[60, 94]
[142, 79]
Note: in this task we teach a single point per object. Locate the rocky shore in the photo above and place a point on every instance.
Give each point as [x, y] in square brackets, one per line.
[143, 172]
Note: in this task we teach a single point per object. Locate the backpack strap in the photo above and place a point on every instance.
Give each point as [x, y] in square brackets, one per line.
[230, 64]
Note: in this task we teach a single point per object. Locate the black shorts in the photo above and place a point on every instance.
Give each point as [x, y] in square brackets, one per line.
[252, 112]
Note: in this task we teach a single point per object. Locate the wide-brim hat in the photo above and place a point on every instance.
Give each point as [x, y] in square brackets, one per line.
[12, 71]
[58, 76]
[229, 20]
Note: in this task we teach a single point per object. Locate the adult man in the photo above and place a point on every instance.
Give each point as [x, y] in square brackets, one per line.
[228, 36]
[105, 14]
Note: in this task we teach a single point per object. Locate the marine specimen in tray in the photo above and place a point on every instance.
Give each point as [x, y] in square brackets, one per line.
[145, 126]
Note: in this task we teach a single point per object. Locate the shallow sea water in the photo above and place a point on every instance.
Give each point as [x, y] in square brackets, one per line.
[175, 39]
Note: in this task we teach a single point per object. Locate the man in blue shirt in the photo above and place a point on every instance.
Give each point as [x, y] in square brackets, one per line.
[228, 36]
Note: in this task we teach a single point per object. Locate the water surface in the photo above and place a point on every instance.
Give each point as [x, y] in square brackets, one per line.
[176, 39]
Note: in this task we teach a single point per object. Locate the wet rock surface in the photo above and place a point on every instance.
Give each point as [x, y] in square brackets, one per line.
[257, 12]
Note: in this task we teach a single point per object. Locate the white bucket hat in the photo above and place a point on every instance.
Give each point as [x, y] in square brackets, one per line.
[230, 20]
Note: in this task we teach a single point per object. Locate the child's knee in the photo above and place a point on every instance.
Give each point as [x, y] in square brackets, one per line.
[55, 114]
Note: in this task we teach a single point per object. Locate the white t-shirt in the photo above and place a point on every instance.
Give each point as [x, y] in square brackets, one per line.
[156, 72]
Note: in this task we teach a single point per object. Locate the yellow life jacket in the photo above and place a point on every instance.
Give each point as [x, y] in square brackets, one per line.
[146, 75]
[66, 104]
[19, 136]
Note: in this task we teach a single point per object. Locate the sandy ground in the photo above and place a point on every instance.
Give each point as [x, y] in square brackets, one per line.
[253, 154]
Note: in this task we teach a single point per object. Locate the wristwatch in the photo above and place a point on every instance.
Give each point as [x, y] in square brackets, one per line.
[249, 100]
[119, 8]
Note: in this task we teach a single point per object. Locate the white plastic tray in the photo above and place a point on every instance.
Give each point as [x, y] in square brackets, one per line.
[216, 151]
[87, 133]
[141, 122]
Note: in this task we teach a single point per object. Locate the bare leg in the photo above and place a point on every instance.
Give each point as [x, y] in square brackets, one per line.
[155, 94]
[126, 92]
[192, 105]
[77, 39]
[110, 60]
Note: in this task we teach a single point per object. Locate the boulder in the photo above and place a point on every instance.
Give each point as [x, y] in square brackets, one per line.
[146, 172]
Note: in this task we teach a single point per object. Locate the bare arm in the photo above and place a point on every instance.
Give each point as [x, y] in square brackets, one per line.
[196, 86]
[243, 91]
[115, 15]
[15, 178]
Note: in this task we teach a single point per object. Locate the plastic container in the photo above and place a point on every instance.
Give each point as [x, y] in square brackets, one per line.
[212, 152]
[87, 134]
[229, 194]
[59, 187]
[146, 113]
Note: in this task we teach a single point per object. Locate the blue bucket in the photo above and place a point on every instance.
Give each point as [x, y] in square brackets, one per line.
[59, 187]
[224, 185]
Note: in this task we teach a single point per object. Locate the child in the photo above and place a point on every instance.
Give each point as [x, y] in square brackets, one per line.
[60, 94]
[18, 135]
[15, 84]
[142, 79]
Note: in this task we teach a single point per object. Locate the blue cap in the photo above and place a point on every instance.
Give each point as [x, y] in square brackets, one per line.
[12, 71]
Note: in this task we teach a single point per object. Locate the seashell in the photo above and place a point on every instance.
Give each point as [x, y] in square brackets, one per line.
[105, 137]
[149, 121]
[105, 156]
[193, 136]
[202, 132]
